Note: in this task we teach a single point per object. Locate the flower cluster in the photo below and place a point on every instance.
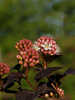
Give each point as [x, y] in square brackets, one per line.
[4, 68]
[46, 45]
[27, 55]
[23, 45]
[60, 91]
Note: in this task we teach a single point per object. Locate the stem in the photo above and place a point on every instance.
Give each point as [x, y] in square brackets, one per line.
[45, 64]
[56, 89]
[26, 73]
[43, 61]
[29, 83]
[53, 86]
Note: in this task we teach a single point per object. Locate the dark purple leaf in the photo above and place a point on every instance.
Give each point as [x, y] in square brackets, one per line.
[45, 73]
[70, 71]
[17, 67]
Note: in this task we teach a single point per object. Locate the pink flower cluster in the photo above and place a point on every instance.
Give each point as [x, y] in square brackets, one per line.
[47, 45]
[4, 68]
[27, 55]
[23, 45]
[60, 91]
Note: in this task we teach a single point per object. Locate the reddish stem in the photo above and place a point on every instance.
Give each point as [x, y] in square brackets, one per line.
[26, 73]
[45, 64]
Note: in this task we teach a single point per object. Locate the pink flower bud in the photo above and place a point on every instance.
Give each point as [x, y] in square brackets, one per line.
[37, 61]
[29, 53]
[33, 61]
[16, 47]
[21, 52]
[24, 52]
[23, 56]
[37, 57]
[26, 60]
[31, 64]
[25, 64]
[18, 56]
[30, 60]
[20, 62]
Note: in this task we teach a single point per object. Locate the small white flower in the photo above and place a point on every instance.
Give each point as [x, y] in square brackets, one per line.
[35, 46]
[46, 46]
[42, 45]
[50, 45]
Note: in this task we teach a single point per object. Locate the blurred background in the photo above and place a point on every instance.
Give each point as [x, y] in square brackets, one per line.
[30, 19]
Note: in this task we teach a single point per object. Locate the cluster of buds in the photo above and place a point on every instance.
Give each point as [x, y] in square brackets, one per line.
[60, 91]
[27, 55]
[4, 68]
[46, 45]
[23, 45]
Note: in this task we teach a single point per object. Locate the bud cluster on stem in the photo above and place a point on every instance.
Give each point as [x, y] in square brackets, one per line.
[47, 45]
[27, 55]
[4, 68]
